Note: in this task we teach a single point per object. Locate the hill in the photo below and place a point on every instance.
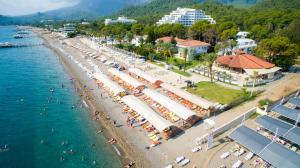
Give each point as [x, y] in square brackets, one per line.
[86, 9]
[152, 11]
[224, 10]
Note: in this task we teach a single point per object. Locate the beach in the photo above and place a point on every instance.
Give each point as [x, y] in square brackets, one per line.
[108, 110]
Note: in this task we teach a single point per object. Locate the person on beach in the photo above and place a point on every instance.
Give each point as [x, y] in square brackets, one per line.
[115, 123]
[128, 121]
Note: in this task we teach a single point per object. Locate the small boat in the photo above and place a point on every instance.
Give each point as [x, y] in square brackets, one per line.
[6, 45]
[18, 36]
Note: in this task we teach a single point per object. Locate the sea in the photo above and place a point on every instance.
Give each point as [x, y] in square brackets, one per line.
[43, 123]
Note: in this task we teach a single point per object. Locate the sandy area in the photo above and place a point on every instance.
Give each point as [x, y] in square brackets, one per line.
[109, 110]
[132, 141]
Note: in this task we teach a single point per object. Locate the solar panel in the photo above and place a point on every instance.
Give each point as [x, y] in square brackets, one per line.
[295, 101]
[275, 154]
[286, 112]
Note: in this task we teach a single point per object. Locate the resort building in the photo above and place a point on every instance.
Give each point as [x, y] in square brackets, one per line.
[242, 34]
[69, 28]
[121, 19]
[245, 44]
[185, 16]
[245, 69]
[193, 47]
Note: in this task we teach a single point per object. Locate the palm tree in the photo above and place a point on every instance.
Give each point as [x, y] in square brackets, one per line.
[209, 60]
[185, 52]
[167, 50]
[224, 76]
[229, 76]
[254, 77]
[149, 47]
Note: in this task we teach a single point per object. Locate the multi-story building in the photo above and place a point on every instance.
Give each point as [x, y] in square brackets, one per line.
[193, 47]
[121, 19]
[69, 28]
[185, 16]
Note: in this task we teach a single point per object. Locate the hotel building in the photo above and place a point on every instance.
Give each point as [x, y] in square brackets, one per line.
[185, 16]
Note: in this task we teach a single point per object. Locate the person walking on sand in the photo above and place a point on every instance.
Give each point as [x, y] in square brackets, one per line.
[128, 121]
[115, 122]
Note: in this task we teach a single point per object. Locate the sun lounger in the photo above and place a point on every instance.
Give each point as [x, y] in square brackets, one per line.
[196, 149]
[249, 156]
[169, 166]
[237, 164]
[225, 155]
[239, 152]
[179, 159]
[184, 162]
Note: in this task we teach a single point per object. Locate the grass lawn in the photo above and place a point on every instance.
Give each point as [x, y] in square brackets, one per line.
[177, 62]
[157, 63]
[218, 93]
[254, 115]
[186, 74]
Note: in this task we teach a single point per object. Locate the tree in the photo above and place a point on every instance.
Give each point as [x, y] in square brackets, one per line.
[185, 52]
[149, 47]
[227, 30]
[259, 32]
[151, 36]
[278, 50]
[197, 30]
[137, 29]
[254, 76]
[293, 31]
[167, 50]
[129, 36]
[209, 60]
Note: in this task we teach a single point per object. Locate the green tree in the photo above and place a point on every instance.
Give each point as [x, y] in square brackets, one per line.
[197, 30]
[293, 31]
[227, 30]
[185, 53]
[137, 29]
[259, 32]
[209, 60]
[167, 50]
[278, 50]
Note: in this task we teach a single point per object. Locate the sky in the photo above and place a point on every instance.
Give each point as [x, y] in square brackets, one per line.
[23, 7]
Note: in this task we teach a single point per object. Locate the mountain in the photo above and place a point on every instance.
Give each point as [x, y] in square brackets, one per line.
[85, 9]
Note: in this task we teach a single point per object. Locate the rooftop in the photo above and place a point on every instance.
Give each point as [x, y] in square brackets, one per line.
[244, 61]
[183, 42]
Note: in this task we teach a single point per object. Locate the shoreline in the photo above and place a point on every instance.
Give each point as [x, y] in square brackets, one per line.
[127, 150]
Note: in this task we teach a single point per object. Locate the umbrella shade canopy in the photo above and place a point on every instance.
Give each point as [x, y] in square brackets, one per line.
[171, 105]
[145, 111]
[125, 77]
[114, 87]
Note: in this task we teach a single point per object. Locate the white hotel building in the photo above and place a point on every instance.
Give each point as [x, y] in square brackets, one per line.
[185, 16]
[121, 19]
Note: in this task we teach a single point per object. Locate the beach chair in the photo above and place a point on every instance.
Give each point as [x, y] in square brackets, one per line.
[179, 159]
[249, 156]
[169, 166]
[184, 162]
[197, 149]
[225, 155]
[237, 164]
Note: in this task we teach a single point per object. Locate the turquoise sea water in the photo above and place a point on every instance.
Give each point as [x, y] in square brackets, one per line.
[34, 122]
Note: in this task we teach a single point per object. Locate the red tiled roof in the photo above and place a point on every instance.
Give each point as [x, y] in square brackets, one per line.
[244, 61]
[182, 42]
